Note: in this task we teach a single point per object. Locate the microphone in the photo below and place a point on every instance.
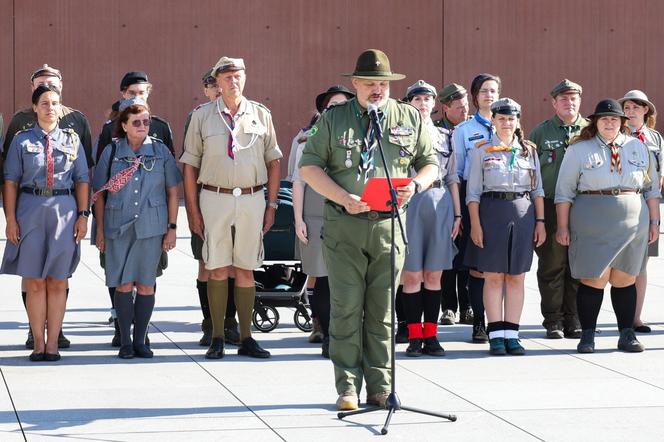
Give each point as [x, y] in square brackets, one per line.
[372, 110]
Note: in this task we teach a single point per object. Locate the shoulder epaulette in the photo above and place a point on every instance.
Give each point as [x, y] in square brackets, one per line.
[201, 105]
[158, 118]
[260, 105]
[529, 144]
[23, 130]
[482, 143]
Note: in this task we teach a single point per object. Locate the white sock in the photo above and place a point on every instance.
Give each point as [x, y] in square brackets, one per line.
[497, 334]
[511, 334]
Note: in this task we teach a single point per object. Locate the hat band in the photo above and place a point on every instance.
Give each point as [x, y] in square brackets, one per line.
[420, 91]
[506, 110]
[373, 74]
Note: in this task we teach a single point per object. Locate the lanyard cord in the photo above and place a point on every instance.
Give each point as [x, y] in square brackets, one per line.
[236, 144]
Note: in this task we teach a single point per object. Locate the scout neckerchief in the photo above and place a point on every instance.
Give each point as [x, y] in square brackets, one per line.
[615, 153]
[233, 145]
[50, 162]
[367, 156]
[639, 133]
[120, 179]
[485, 123]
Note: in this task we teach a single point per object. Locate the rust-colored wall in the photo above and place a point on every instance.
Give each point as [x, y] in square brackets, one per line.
[295, 48]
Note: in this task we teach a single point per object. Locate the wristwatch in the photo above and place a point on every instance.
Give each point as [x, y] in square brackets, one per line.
[654, 222]
[172, 226]
[418, 186]
[83, 213]
[274, 204]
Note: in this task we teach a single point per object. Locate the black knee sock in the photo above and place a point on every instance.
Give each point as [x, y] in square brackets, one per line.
[448, 293]
[476, 295]
[624, 305]
[413, 308]
[322, 295]
[143, 307]
[201, 286]
[462, 289]
[511, 330]
[24, 295]
[588, 304]
[124, 307]
[231, 307]
[431, 304]
[111, 294]
[398, 305]
[495, 329]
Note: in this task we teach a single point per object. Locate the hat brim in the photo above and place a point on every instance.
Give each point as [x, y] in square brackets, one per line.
[608, 114]
[567, 90]
[391, 77]
[638, 100]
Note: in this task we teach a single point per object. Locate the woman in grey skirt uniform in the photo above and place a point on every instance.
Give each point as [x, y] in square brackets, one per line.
[433, 221]
[47, 219]
[641, 113]
[605, 176]
[308, 213]
[505, 200]
[136, 210]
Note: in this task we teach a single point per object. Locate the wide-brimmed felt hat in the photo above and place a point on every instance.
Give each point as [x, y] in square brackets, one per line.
[638, 97]
[332, 90]
[608, 108]
[373, 64]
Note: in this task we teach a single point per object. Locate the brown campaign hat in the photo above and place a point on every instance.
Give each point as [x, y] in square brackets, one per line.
[46, 71]
[566, 86]
[227, 64]
[452, 92]
[373, 64]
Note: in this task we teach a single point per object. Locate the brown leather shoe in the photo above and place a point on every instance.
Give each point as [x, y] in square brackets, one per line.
[378, 399]
[348, 401]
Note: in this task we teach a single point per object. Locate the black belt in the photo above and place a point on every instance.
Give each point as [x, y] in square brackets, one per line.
[371, 215]
[46, 191]
[438, 184]
[508, 196]
[615, 192]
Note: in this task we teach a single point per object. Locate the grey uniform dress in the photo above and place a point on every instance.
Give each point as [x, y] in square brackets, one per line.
[430, 214]
[311, 253]
[46, 247]
[607, 230]
[136, 217]
[504, 180]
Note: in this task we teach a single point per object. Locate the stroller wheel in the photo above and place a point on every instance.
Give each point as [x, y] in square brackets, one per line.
[302, 318]
[265, 318]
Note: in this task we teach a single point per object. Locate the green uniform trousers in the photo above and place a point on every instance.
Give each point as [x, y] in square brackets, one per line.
[554, 278]
[357, 255]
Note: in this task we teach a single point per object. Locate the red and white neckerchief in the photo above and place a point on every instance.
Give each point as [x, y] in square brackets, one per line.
[640, 135]
[120, 179]
[50, 162]
[615, 157]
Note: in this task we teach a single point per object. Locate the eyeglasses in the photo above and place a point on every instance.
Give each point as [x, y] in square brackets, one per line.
[137, 123]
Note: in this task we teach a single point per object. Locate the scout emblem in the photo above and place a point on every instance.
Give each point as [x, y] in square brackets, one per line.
[348, 163]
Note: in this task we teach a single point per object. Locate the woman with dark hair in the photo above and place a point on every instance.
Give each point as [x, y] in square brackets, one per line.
[308, 212]
[506, 204]
[484, 91]
[136, 207]
[46, 222]
[611, 177]
[641, 123]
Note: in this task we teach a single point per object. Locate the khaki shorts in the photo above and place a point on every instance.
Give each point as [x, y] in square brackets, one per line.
[233, 229]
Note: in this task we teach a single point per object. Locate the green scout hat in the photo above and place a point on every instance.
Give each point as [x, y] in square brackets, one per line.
[46, 71]
[227, 64]
[506, 106]
[208, 78]
[418, 88]
[638, 97]
[452, 92]
[373, 64]
[566, 86]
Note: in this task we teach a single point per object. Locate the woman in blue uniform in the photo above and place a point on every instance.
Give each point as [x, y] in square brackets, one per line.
[609, 176]
[433, 221]
[506, 205]
[136, 207]
[46, 206]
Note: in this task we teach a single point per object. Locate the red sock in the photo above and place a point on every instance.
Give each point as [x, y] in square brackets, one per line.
[430, 329]
[415, 331]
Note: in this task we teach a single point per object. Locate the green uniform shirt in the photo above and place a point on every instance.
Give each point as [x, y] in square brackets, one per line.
[444, 123]
[552, 140]
[339, 133]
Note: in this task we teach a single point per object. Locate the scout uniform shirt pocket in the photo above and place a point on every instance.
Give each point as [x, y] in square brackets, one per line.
[33, 154]
[64, 159]
[495, 172]
[249, 132]
[525, 171]
[346, 152]
[638, 174]
[549, 151]
[403, 138]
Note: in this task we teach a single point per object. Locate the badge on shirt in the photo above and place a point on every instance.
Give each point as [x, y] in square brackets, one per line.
[400, 131]
[475, 136]
[33, 148]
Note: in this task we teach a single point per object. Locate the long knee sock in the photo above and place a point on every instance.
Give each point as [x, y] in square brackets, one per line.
[448, 293]
[244, 300]
[413, 308]
[476, 295]
[201, 286]
[231, 308]
[624, 305]
[398, 305]
[495, 329]
[322, 295]
[588, 304]
[143, 307]
[24, 295]
[217, 294]
[431, 305]
[511, 330]
[462, 289]
[124, 307]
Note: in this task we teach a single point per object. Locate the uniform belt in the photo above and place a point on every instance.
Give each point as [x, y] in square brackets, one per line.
[438, 184]
[508, 196]
[371, 215]
[614, 192]
[236, 191]
[46, 191]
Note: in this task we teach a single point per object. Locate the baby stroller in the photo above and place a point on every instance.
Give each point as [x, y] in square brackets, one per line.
[280, 281]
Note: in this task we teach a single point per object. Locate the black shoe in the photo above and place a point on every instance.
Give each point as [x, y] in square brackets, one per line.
[115, 342]
[232, 335]
[642, 329]
[402, 333]
[414, 349]
[251, 348]
[30, 342]
[325, 348]
[554, 331]
[587, 342]
[432, 347]
[479, 333]
[126, 352]
[142, 351]
[216, 350]
[572, 332]
[36, 357]
[628, 342]
[447, 318]
[51, 357]
[466, 317]
[147, 340]
[62, 341]
[206, 339]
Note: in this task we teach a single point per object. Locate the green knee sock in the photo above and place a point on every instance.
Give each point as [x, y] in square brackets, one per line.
[217, 293]
[244, 301]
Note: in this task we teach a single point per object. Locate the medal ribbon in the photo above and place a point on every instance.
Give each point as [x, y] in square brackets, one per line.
[50, 163]
[120, 179]
[502, 148]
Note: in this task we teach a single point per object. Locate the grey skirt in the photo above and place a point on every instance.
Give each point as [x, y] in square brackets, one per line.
[128, 259]
[311, 254]
[429, 222]
[508, 228]
[46, 247]
[608, 231]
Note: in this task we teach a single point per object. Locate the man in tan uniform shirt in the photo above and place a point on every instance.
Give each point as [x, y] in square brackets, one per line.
[231, 151]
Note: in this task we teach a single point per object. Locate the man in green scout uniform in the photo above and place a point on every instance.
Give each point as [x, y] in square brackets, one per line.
[454, 100]
[556, 285]
[340, 156]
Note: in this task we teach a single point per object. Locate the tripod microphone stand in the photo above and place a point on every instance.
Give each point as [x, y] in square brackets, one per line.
[393, 403]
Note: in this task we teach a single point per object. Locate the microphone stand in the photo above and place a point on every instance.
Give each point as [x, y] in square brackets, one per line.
[393, 403]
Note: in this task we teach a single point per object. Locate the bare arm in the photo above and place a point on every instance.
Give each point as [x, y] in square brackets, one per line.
[562, 218]
[273, 181]
[653, 209]
[194, 216]
[172, 203]
[298, 203]
[540, 229]
[476, 233]
[98, 207]
[9, 203]
[456, 203]
[82, 199]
